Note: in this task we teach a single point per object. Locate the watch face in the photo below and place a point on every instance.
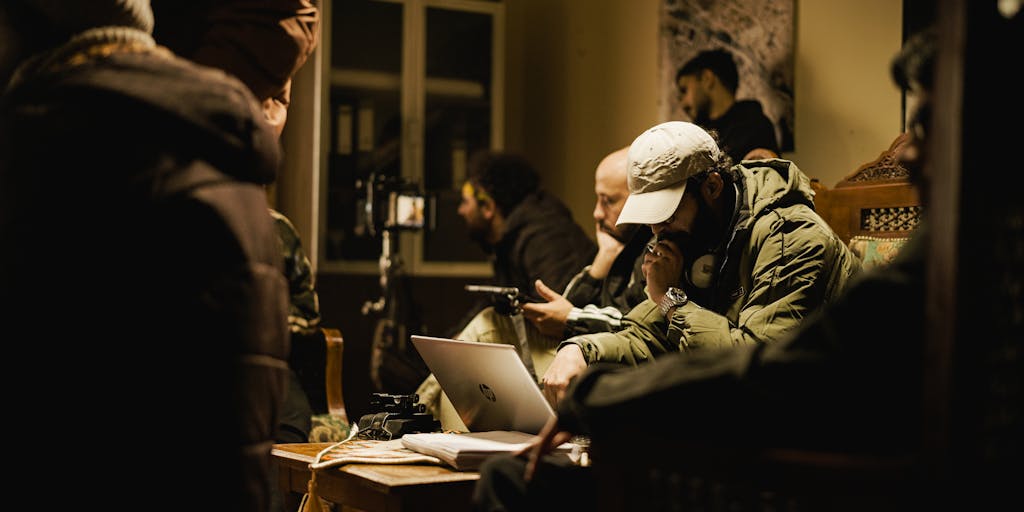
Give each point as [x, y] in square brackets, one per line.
[674, 297]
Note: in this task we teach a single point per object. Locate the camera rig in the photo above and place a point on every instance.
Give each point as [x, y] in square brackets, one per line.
[392, 204]
[506, 299]
[393, 416]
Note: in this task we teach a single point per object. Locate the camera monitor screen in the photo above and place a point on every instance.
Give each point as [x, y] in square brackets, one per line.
[408, 211]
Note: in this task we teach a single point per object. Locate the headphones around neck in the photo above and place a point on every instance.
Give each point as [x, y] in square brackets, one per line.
[702, 271]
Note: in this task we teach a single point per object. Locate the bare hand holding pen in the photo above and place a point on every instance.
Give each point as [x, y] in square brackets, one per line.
[550, 437]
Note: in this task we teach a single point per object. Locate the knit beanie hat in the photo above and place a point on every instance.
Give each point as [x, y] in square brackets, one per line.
[49, 31]
[65, 18]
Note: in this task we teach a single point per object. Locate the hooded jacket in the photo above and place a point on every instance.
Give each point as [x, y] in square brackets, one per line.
[139, 253]
[262, 42]
[781, 263]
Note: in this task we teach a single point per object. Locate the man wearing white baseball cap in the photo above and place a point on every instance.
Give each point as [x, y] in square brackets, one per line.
[740, 258]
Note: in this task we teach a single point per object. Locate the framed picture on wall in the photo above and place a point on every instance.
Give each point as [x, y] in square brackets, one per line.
[758, 34]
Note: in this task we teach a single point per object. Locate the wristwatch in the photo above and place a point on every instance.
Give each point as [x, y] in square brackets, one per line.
[674, 297]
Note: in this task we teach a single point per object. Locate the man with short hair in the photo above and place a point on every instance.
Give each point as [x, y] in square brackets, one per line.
[741, 256]
[529, 233]
[707, 92]
[613, 283]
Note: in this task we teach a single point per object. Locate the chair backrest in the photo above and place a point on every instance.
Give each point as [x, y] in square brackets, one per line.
[333, 373]
[874, 209]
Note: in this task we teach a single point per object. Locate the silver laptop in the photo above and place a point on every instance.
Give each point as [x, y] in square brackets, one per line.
[487, 383]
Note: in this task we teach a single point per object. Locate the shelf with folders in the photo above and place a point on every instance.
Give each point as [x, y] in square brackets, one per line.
[382, 81]
[419, 94]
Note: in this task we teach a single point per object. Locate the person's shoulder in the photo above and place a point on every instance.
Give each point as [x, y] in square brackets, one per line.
[750, 115]
[748, 108]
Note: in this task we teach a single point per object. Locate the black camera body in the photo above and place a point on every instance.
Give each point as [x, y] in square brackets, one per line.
[392, 203]
[506, 300]
[394, 416]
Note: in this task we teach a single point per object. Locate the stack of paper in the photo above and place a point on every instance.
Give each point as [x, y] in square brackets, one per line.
[467, 451]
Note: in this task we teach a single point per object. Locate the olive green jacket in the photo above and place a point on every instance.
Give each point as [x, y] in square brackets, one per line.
[782, 263]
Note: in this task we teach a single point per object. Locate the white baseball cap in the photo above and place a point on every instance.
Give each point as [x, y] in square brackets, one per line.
[660, 161]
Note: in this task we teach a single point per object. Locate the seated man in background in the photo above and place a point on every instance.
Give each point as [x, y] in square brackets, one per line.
[598, 296]
[530, 235]
[707, 91]
[818, 387]
[741, 258]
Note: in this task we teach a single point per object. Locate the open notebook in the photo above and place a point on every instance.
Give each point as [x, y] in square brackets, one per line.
[487, 384]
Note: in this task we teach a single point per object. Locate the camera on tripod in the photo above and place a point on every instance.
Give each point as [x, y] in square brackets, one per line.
[393, 416]
[393, 203]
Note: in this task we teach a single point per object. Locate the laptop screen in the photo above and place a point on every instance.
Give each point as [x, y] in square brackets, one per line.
[487, 384]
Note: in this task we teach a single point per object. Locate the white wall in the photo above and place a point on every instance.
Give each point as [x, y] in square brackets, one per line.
[586, 75]
[582, 81]
[847, 108]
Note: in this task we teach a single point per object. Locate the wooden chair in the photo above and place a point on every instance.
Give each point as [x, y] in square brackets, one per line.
[335, 425]
[874, 209]
[335, 353]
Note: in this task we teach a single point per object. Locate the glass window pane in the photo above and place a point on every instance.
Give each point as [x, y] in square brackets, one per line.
[457, 120]
[365, 127]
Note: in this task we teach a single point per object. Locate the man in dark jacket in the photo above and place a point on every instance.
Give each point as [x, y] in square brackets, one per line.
[529, 233]
[707, 91]
[531, 236]
[140, 260]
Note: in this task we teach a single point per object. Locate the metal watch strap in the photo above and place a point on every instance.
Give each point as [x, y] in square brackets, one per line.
[674, 297]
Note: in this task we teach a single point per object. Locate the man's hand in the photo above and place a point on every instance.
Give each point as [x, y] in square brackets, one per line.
[664, 268]
[568, 363]
[608, 248]
[549, 438]
[549, 317]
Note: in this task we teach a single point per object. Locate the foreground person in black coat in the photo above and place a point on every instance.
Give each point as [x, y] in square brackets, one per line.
[140, 261]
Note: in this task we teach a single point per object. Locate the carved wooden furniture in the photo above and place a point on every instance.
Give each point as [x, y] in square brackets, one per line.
[335, 352]
[333, 426]
[874, 209]
[876, 200]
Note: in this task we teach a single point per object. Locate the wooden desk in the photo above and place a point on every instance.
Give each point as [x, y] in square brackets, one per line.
[376, 487]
